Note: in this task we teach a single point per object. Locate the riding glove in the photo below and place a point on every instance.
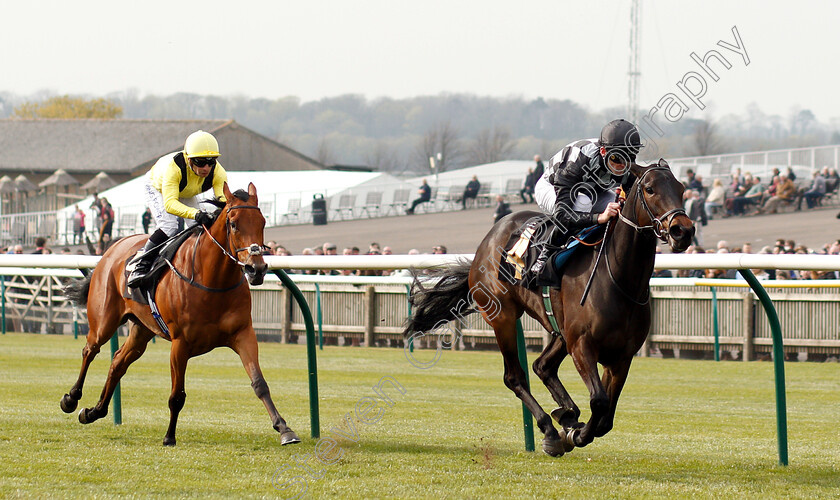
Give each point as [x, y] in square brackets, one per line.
[204, 219]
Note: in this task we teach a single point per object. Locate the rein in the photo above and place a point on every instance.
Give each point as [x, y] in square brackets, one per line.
[253, 249]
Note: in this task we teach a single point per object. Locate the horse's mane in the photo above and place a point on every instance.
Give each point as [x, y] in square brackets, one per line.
[239, 193]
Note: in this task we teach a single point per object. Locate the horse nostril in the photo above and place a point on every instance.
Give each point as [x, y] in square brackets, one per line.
[676, 232]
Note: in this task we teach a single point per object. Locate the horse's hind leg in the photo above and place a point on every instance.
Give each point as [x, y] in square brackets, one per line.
[505, 327]
[545, 366]
[100, 333]
[134, 347]
[245, 344]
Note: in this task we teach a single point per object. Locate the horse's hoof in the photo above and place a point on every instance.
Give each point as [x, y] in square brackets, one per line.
[568, 444]
[68, 404]
[553, 447]
[289, 437]
[85, 417]
[168, 441]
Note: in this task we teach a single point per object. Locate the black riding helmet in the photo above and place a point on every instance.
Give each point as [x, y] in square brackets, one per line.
[621, 138]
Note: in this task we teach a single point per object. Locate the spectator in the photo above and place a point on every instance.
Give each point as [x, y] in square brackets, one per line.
[815, 191]
[746, 247]
[532, 178]
[694, 182]
[107, 215]
[716, 197]
[832, 180]
[784, 193]
[751, 197]
[471, 191]
[440, 249]
[425, 193]
[695, 209]
[146, 220]
[502, 209]
[78, 225]
[41, 246]
[528, 187]
[330, 249]
[791, 175]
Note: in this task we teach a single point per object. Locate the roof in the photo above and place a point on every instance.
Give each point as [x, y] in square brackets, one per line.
[121, 146]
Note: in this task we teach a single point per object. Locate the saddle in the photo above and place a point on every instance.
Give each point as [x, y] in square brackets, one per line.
[523, 248]
[145, 293]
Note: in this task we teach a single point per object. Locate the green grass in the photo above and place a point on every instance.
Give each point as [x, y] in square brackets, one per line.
[684, 429]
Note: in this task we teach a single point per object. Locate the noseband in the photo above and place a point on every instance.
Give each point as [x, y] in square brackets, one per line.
[657, 224]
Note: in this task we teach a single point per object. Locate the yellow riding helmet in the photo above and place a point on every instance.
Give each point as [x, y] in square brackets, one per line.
[201, 144]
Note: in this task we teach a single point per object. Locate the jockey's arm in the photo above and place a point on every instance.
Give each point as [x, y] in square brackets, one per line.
[171, 195]
[564, 182]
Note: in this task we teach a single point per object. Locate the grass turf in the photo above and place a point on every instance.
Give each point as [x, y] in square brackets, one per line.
[684, 429]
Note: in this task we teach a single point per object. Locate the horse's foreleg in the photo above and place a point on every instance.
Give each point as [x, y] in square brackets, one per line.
[613, 380]
[134, 347]
[178, 357]
[245, 344]
[545, 367]
[585, 359]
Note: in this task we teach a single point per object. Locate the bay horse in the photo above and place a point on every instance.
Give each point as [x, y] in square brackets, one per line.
[205, 303]
[610, 326]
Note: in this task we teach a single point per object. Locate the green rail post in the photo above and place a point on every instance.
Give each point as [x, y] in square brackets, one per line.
[117, 399]
[778, 362]
[311, 353]
[75, 322]
[3, 300]
[715, 323]
[320, 317]
[527, 418]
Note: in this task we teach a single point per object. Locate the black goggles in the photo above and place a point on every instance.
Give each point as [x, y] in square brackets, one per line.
[621, 157]
[203, 162]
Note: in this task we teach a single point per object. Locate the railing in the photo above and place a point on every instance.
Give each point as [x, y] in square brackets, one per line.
[801, 160]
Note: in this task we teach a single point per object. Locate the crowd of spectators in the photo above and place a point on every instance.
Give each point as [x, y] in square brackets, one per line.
[328, 248]
[751, 195]
[781, 246]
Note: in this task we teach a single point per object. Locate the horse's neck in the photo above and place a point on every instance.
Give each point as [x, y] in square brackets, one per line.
[219, 269]
[632, 254]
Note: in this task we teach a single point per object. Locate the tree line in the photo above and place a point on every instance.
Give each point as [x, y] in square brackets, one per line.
[458, 130]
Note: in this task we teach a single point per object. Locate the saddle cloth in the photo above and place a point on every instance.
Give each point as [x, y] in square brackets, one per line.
[159, 266]
[521, 252]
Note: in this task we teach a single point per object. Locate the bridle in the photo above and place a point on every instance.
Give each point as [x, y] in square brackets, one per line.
[253, 250]
[657, 224]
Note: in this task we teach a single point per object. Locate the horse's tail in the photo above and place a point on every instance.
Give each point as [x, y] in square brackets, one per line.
[77, 290]
[446, 300]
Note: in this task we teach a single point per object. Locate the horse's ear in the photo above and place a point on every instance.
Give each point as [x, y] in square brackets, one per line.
[637, 169]
[252, 189]
[227, 193]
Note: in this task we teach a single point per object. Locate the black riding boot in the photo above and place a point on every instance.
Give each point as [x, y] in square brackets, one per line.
[141, 263]
[543, 257]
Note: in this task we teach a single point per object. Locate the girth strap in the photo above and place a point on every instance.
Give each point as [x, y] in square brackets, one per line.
[549, 311]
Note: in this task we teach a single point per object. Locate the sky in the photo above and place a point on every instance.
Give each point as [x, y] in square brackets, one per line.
[555, 49]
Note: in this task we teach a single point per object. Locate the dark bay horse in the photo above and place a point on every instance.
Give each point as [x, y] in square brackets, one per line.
[207, 306]
[610, 326]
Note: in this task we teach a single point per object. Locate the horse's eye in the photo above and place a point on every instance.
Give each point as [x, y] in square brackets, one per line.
[233, 225]
[649, 190]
